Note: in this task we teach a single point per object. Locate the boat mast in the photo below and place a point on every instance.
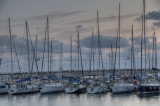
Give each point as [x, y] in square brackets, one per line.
[115, 56]
[141, 52]
[44, 45]
[153, 50]
[51, 58]
[155, 56]
[28, 48]
[112, 62]
[80, 54]
[48, 41]
[60, 63]
[93, 49]
[144, 30]
[132, 55]
[11, 47]
[99, 53]
[78, 47]
[71, 55]
[119, 33]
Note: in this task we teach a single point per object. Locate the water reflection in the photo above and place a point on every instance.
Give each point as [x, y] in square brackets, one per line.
[63, 99]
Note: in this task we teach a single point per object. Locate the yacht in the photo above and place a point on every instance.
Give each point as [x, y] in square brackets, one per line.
[75, 87]
[3, 88]
[149, 87]
[22, 89]
[52, 87]
[123, 87]
[96, 87]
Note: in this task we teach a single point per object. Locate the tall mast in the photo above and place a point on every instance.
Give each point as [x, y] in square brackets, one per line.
[93, 49]
[71, 55]
[155, 56]
[132, 54]
[141, 51]
[149, 57]
[10, 46]
[99, 53]
[28, 47]
[78, 47]
[99, 47]
[119, 33]
[48, 42]
[36, 48]
[36, 51]
[44, 45]
[144, 30]
[112, 59]
[153, 51]
[51, 58]
[115, 57]
[60, 63]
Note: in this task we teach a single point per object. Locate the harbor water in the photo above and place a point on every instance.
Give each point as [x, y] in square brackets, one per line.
[63, 99]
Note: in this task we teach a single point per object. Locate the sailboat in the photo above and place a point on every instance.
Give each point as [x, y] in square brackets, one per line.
[97, 86]
[122, 86]
[150, 86]
[3, 88]
[55, 86]
[76, 86]
[24, 86]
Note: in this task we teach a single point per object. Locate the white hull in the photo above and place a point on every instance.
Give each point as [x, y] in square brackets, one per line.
[70, 90]
[52, 88]
[95, 90]
[28, 89]
[3, 90]
[75, 89]
[122, 88]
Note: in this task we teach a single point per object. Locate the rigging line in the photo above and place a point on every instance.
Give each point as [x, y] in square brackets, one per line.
[33, 51]
[16, 55]
[44, 46]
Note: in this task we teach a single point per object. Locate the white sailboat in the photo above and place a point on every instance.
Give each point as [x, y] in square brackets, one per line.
[96, 87]
[123, 87]
[3, 88]
[24, 86]
[75, 87]
[22, 89]
[52, 88]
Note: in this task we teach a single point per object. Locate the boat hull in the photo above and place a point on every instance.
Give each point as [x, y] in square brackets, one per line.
[55, 88]
[26, 90]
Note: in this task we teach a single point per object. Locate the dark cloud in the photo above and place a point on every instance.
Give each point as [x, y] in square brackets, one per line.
[106, 42]
[153, 15]
[78, 27]
[21, 45]
[137, 40]
[156, 23]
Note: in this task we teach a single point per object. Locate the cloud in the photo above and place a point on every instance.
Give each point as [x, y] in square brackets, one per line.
[106, 42]
[21, 45]
[156, 23]
[78, 27]
[103, 19]
[153, 15]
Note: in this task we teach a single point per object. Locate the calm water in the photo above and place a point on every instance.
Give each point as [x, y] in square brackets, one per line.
[63, 99]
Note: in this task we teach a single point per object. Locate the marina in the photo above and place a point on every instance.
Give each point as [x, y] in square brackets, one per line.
[81, 57]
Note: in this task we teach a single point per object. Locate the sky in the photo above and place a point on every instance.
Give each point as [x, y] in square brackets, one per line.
[65, 18]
